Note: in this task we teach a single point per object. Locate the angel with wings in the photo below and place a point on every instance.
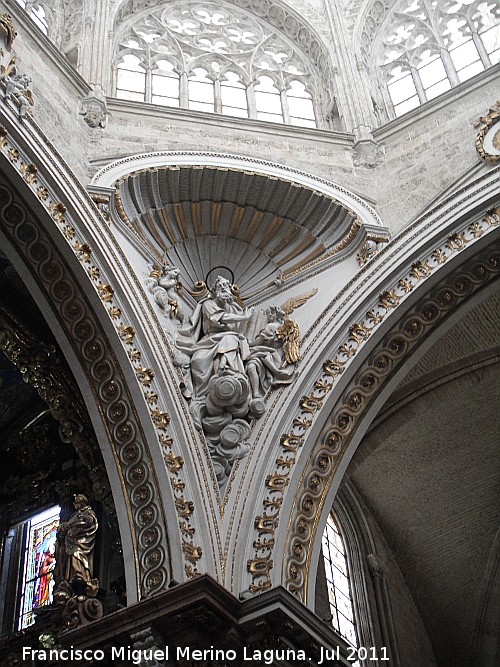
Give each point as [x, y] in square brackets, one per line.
[264, 365]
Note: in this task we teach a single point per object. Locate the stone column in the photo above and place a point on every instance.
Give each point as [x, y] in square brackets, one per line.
[355, 103]
[96, 35]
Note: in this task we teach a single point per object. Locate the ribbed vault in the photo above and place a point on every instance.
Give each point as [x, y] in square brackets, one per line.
[257, 225]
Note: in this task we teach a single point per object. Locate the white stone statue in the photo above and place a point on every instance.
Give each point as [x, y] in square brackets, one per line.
[17, 86]
[164, 286]
[264, 366]
[235, 354]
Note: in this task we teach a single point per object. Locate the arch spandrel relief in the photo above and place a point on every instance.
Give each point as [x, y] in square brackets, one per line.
[224, 248]
[277, 235]
[231, 356]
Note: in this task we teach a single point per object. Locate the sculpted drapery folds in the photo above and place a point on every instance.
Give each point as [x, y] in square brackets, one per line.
[75, 545]
[164, 286]
[231, 356]
[75, 592]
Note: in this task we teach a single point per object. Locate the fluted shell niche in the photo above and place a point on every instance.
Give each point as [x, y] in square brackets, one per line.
[260, 227]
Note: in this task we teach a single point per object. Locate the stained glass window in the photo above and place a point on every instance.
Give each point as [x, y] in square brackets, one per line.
[39, 561]
[337, 579]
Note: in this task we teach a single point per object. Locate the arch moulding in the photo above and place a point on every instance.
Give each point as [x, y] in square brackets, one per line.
[53, 234]
[432, 275]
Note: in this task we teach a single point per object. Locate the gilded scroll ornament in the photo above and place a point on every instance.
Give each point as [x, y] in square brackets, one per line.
[42, 193]
[41, 367]
[13, 155]
[7, 37]
[145, 375]
[7, 31]
[488, 138]
[496, 140]
[105, 292]
[335, 437]
[369, 248]
[126, 333]
[83, 332]
[29, 171]
[345, 417]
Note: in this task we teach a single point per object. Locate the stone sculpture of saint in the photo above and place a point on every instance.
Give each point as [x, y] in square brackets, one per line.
[231, 356]
[213, 340]
[75, 544]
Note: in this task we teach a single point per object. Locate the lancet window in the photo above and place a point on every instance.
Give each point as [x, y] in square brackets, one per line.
[338, 582]
[211, 58]
[429, 46]
[38, 537]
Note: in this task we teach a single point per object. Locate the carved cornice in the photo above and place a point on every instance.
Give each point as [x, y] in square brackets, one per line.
[334, 440]
[110, 173]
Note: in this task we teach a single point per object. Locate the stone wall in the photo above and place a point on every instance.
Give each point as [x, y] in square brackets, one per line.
[431, 147]
[420, 154]
[57, 91]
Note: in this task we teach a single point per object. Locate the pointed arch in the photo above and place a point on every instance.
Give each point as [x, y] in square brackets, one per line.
[444, 268]
[271, 40]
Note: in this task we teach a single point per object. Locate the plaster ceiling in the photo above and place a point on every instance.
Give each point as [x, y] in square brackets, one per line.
[477, 332]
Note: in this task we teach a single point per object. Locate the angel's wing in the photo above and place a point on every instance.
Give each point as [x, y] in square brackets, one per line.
[289, 335]
[296, 301]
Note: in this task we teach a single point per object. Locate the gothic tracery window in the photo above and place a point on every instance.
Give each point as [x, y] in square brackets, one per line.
[210, 57]
[338, 582]
[429, 46]
[36, 12]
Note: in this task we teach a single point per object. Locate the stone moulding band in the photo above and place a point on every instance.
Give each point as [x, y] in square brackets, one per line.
[98, 361]
[339, 434]
[356, 400]
[109, 174]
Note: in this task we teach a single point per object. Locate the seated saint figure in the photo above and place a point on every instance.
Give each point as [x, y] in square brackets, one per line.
[214, 340]
[232, 356]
